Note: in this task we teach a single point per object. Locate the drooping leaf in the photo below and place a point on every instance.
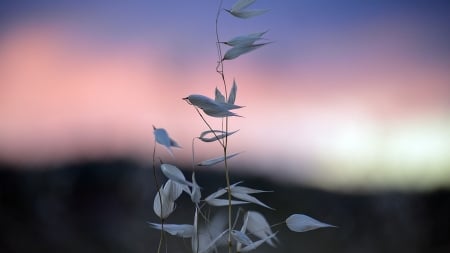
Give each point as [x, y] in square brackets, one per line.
[162, 137]
[219, 134]
[249, 198]
[258, 226]
[162, 205]
[235, 52]
[181, 230]
[211, 107]
[245, 40]
[219, 97]
[232, 96]
[172, 190]
[175, 174]
[241, 237]
[241, 4]
[195, 193]
[216, 160]
[303, 223]
[224, 202]
[256, 244]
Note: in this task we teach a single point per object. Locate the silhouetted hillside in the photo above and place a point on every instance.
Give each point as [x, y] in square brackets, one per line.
[103, 206]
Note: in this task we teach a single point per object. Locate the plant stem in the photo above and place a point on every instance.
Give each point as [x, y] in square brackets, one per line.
[220, 71]
[161, 237]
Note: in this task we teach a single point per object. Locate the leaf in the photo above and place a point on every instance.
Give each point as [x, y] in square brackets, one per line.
[175, 174]
[224, 202]
[246, 197]
[216, 194]
[232, 96]
[258, 225]
[245, 40]
[213, 242]
[181, 230]
[247, 14]
[172, 190]
[219, 97]
[241, 4]
[235, 52]
[303, 223]
[195, 193]
[219, 134]
[241, 237]
[212, 107]
[246, 190]
[162, 137]
[216, 160]
[256, 244]
[162, 205]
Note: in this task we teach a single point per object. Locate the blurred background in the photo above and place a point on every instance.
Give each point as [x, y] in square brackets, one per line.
[348, 108]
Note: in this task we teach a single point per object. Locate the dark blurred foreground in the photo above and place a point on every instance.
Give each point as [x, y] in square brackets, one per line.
[104, 207]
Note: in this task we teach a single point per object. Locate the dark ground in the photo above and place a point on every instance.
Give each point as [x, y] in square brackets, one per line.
[104, 207]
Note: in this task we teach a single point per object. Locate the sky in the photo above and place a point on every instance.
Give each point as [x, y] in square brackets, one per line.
[349, 94]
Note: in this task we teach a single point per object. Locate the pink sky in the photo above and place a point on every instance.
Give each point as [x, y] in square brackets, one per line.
[63, 99]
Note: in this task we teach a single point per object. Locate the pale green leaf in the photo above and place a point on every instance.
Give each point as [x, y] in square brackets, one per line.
[256, 244]
[241, 4]
[216, 160]
[235, 52]
[303, 223]
[172, 172]
[181, 230]
[245, 40]
[232, 96]
[224, 202]
[258, 226]
[246, 197]
[241, 237]
[219, 134]
[162, 137]
[248, 14]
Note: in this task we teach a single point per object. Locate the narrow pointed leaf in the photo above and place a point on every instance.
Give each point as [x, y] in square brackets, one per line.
[213, 242]
[211, 107]
[232, 96]
[216, 160]
[219, 97]
[303, 223]
[258, 226]
[219, 134]
[246, 190]
[220, 113]
[249, 198]
[241, 4]
[216, 194]
[248, 14]
[224, 202]
[195, 193]
[256, 244]
[181, 230]
[175, 174]
[194, 239]
[241, 237]
[235, 52]
[245, 40]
